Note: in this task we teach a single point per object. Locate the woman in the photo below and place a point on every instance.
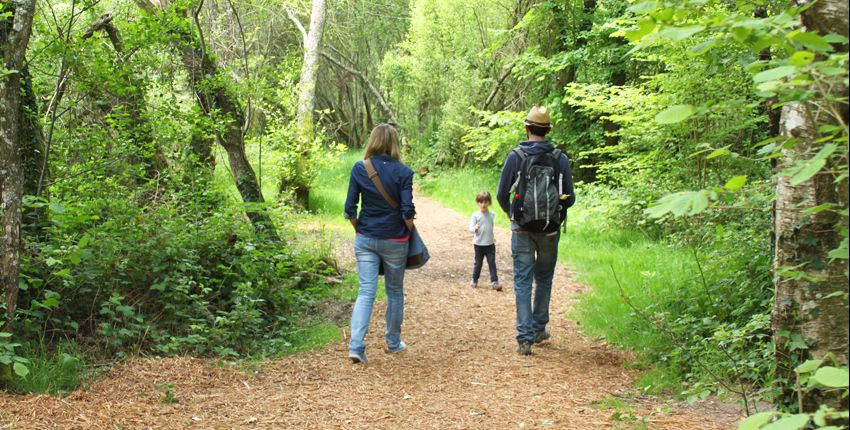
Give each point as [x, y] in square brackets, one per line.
[382, 236]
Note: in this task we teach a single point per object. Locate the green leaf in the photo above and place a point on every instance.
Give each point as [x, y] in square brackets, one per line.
[832, 71]
[810, 168]
[57, 208]
[812, 41]
[682, 33]
[819, 208]
[681, 203]
[835, 38]
[4, 334]
[794, 422]
[50, 261]
[755, 421]
[809, 366]
[741, 33]
[797, 343]
[802, 58]
[736, 183]
[643, 8]
[84, 241]
[841, 252]
[674, 114]
[832, 377]
[774, 74]
[644, 27]
[718, 153]
[21, 370]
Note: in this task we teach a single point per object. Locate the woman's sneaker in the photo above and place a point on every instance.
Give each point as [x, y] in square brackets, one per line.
[497, 286]
[401, 347]
[357, 357]
[473, 284]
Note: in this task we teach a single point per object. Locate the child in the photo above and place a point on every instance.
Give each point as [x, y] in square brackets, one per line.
[484, 243]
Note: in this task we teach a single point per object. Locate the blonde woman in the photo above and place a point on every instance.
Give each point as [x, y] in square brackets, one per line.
[383, 233]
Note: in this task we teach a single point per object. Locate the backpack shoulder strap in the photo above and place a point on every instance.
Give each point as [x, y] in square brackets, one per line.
[520, 153]
[373, 175]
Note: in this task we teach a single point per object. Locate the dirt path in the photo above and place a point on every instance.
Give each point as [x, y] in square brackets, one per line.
[460, 371]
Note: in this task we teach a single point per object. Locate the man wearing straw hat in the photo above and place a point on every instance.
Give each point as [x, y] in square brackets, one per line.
[546, 187]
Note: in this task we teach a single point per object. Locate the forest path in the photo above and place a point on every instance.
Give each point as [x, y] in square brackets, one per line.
[461, 370]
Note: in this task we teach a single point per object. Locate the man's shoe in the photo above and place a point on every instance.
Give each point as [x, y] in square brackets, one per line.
[524, 348]
[357, 357]
[401, 347]
[497, 286]
[540, 336]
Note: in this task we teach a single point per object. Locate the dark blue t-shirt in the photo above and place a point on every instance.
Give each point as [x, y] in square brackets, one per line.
[377, 218]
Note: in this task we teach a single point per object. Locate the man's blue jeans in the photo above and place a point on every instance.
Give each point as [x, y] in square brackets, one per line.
[535, 255]
[369, 253]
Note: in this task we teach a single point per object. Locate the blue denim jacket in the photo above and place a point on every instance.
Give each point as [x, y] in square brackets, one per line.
[377, 218]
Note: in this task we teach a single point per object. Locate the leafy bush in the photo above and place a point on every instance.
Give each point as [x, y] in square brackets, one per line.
[180, 275]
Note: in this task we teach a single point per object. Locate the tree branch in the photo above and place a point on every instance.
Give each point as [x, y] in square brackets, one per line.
[297, 23]
[377, 94]
[497, 86]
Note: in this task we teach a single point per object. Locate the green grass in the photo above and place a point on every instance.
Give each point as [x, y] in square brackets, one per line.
[596, 251]
[53, 372]
[327, 197]
[457, 190]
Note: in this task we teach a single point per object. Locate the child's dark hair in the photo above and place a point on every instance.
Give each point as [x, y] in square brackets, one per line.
[484, 196]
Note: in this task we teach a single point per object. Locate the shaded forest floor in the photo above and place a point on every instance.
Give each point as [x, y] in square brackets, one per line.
[461, 370]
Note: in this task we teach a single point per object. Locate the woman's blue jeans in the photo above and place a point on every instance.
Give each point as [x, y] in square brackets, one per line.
[369, 253]
[535, 256]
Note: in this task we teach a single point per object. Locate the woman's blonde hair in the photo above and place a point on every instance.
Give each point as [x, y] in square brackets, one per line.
[383, 141]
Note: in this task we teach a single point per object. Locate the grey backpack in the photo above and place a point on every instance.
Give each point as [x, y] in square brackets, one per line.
[536, 193]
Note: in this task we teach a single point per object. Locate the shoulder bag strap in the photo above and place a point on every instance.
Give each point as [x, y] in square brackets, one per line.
[373, 175]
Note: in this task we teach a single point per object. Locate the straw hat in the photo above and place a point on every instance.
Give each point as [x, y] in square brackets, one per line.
[538, 116]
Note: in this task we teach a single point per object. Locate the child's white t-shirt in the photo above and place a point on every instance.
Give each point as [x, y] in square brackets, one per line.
[484, 220]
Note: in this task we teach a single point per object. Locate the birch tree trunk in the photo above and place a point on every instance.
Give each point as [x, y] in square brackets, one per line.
[15, 33]
[309, 71]
[810, 315]
[307, 103]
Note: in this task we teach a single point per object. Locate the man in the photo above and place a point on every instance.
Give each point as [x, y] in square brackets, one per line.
[534, 243]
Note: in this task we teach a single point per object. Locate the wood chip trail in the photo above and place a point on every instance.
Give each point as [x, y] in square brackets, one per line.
[461, 370]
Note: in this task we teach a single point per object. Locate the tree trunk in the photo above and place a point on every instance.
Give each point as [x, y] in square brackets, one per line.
[205, 80]
[200, 65]
[15, 30]
[809, 306]
[33, 156]
[306, 104]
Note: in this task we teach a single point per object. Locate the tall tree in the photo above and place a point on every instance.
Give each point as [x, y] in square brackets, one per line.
[213, 95]
[306, 99]
[15, 30]
[810, 315]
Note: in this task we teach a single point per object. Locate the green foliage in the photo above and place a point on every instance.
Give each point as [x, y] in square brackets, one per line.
[57, 369]
[496, 134]
[811, 375]
[131, 260]
[437, 73]
[331, 186]
[10, 361]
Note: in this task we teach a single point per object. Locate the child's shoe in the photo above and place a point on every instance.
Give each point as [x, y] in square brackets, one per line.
[497, 286]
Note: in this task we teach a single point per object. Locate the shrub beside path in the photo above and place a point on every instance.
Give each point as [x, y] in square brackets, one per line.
[461, 370]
